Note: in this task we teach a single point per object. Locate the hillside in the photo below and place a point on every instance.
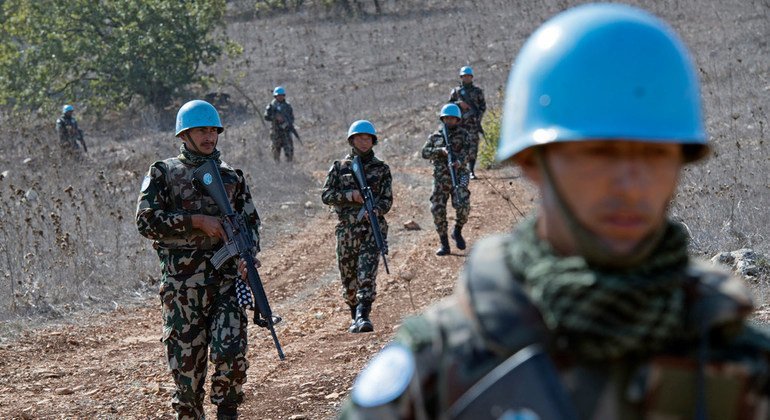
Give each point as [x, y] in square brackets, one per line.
[72, 261]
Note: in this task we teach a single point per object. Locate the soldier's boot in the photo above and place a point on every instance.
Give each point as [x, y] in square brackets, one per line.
[363, 324]
[444, 250]
[227, 412]
[352, 327]
[457, 235]
[472, 165]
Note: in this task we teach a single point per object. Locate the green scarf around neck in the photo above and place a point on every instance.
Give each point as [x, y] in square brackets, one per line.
[600, 314]
[194, 159]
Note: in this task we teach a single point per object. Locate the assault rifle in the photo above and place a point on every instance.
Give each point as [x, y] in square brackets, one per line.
[473, 111]
[366, 193]
[82, 141]
[286, 125]
[450, 159]
[239, 244]
[527, 385]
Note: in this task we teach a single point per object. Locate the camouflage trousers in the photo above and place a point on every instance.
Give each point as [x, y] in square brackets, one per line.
[199, 322]
[474, 134]
[282, 140]
[461, 201]
[358, 259]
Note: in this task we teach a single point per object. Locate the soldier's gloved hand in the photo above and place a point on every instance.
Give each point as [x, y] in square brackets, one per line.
[442, 151]
[366, 213]
[210, 225]
[464, 106]
[279, 118]
[356, 197]
[456, 164]
[242, 267]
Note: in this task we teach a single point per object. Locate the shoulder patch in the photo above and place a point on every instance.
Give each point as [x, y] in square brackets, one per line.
[146, 183]
[385, 378]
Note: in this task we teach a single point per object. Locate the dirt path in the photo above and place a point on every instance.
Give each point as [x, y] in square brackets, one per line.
[112, 365]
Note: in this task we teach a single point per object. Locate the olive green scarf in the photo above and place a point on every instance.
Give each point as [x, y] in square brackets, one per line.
[188, 156]
[602, 314]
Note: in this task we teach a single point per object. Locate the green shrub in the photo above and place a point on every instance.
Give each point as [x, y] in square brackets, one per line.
[488, 147]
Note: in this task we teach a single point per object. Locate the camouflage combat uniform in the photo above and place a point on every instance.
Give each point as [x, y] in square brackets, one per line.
[608, 372]
[280, 132]
[357, 253]
[199, 305]
[471, 120]
[69, 133]
[442, 181]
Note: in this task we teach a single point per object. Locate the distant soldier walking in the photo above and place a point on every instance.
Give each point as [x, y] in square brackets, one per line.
[470, 99]
[357, 252]
[452, 139]
[281, 114]
[201, 314]
[69, 132]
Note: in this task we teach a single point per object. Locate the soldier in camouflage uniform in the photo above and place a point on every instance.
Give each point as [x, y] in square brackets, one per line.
[281, 114]
[435, 149]
[357, 253]
[201, 315]
[67, 127]
[470, 99]
[592, 308]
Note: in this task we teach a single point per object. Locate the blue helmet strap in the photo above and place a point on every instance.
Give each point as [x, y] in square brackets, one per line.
[587, 244]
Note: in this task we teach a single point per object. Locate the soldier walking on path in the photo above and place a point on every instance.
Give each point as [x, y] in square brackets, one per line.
[281, 114]
[592, 308]
[357, 252]
[67, 127]
[470, 99]
[456, 141]
[201, 314]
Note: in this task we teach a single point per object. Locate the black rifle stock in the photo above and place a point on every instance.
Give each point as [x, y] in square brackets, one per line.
[450, 158]
[239, 244]
[526, 385]
[366, 193]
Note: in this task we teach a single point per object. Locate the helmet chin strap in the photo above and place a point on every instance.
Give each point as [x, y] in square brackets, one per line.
[187, 137]
[587, 244]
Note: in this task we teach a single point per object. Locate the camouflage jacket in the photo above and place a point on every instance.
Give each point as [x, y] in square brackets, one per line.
[490, 317]
[275, 108]
[474, 97]
[164, 214]
[67, 127]
[461, 146]
[340, 184]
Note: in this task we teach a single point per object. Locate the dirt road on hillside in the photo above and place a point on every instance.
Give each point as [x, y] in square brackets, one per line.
[112, 366]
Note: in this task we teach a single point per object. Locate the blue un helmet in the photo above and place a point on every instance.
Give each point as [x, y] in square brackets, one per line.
[362, 127]
[466, 70]
[197, 113]
[67, 108]
[450, 110]
[599, 72]
[279, 90]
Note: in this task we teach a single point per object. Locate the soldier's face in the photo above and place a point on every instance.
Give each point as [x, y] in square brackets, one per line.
[450, 121]
[202, 140]
[618, 190]
[466, 78]
[362, 142]
[280, 98]
[68, 114]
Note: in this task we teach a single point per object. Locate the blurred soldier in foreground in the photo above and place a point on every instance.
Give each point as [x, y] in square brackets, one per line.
[591, 308]
[281, 114]
[201, 315]
[450, 150]
[470, 99]
[357, 251]
[67, 127]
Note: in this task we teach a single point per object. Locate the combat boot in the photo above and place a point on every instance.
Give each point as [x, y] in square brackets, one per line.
[473, 170]
[227, 412]
[352, 327]
[362, 323]
[444, 250]
[457, 235]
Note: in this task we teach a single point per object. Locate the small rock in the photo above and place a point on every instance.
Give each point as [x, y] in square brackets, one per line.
[4, 175]
[298, 417]
[309, 205]
[332, 396]
[411, 225]
[27, 160]
[63, 391]
[406, 275]
[318, 315]
[432, 84]
[30, 195]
